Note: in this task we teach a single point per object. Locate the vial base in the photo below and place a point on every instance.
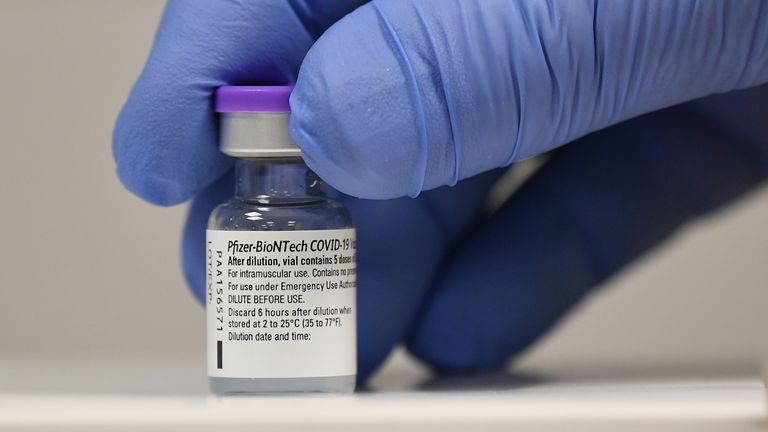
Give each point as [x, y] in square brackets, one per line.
[233, 386]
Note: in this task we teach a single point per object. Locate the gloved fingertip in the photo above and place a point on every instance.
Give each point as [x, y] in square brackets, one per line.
[348, 179]
[151, 187]
[164, 141]
[137, 163]
[352, 112]
[164, 161]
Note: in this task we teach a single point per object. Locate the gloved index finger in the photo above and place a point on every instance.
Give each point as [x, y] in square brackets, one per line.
[416, 94]
[164, 141]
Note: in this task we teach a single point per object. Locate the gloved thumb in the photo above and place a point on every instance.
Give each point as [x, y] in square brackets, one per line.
[403, 95]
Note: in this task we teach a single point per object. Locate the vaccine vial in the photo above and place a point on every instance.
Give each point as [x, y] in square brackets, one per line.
[280, 257]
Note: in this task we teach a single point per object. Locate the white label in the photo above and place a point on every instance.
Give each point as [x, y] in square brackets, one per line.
[281, 304]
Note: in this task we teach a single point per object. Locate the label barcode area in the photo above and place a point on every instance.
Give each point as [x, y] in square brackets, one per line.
[219, 356]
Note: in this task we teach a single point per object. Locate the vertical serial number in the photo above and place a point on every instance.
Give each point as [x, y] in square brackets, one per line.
[215, 288]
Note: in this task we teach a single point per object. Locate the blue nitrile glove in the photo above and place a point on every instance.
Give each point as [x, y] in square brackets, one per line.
[405, 96]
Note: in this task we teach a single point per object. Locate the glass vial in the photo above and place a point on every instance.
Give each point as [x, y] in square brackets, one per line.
[280, 257]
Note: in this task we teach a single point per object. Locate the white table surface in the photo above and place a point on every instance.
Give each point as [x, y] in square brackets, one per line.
[169, 393]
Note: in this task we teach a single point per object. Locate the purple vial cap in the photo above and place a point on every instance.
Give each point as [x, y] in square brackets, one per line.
[253, 98]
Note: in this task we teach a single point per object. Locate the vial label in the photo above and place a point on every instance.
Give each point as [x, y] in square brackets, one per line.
[281, 304]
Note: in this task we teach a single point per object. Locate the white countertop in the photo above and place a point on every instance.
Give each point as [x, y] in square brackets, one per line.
[169, 393]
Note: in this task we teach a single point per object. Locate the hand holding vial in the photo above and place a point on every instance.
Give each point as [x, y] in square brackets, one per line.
[410, 109]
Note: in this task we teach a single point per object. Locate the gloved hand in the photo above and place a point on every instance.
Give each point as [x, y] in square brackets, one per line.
[401, 97]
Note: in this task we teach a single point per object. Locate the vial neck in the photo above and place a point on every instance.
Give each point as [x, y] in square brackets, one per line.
[279, 181]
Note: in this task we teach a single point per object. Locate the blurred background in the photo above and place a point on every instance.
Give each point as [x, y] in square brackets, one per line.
[90, 271]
